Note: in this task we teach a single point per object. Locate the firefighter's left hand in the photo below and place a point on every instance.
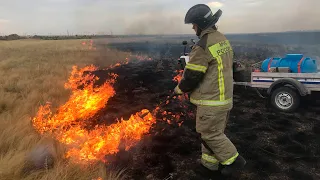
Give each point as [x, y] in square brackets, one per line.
[177, 90]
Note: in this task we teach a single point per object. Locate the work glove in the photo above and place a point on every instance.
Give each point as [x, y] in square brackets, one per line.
[177, 90]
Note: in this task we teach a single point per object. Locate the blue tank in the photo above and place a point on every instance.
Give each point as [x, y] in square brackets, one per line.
[307, 65]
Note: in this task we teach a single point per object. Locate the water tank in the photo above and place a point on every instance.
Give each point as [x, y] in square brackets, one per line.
[296, 62]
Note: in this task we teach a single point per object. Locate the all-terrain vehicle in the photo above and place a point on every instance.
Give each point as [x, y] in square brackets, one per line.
[238, 68]
[286, 80]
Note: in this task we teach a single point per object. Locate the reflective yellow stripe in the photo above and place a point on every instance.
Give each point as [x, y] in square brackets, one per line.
[231, 160]
[217, 50]
[210, 102]
[196, 67]
[210, 159]
[221, 79]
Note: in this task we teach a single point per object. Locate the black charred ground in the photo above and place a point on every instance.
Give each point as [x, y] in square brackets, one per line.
[276, 145]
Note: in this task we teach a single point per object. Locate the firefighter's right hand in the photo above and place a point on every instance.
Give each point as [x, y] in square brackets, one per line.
[177, 90]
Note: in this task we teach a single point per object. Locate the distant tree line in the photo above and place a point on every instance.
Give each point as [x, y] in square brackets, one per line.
[62, 37]
[11, 37]
[17, 37]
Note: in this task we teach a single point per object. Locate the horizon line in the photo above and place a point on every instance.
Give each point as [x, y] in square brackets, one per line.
[315, 31]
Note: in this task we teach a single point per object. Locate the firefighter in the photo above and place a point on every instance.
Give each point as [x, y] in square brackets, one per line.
[209, 80]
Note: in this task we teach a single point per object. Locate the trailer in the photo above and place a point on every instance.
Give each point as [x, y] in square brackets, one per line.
[286, 81]
[285, 90]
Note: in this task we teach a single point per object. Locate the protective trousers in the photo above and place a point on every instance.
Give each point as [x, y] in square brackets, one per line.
[210, 123]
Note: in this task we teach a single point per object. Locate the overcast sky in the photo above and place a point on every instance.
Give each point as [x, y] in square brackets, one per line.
[152, 16]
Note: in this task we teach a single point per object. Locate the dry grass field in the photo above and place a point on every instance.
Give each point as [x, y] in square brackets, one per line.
[33, 72]
[277, 145]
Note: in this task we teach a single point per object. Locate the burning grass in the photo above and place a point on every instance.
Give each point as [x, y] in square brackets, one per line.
[68, 124]
[32, 73]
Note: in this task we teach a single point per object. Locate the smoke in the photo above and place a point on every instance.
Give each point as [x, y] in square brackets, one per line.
[239, 16]
[156, 16]
[270, 16]
[156, 23]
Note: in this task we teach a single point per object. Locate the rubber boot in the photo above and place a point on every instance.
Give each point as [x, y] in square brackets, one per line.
[236, 166]
[203, 173]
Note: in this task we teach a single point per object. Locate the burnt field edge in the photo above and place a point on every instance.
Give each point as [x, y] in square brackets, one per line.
[278, 145]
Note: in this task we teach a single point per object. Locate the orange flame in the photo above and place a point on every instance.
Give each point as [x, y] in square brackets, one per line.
[90, 45]
[99, 178]
[67, 125]
[178, 77]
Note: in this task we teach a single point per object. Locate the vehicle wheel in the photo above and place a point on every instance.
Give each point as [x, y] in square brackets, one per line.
[285, 99]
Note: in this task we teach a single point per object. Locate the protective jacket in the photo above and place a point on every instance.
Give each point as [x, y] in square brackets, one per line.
[208, 74]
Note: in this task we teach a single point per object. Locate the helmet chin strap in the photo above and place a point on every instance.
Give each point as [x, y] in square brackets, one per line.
[199, 30]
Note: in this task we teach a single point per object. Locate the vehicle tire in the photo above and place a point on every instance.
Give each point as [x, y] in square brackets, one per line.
[285, 99]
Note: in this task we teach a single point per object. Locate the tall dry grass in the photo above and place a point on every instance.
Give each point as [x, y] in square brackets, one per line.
[33, 72]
